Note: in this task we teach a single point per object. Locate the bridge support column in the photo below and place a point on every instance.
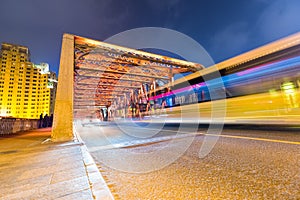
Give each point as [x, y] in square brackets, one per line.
[62, 129]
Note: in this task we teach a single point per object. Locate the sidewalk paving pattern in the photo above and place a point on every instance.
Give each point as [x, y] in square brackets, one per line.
[33, 168]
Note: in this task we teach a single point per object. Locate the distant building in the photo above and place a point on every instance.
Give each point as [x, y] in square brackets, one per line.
[25, 88]
[52, 84]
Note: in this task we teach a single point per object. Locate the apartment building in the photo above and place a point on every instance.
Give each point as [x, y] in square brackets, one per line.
[25, 88]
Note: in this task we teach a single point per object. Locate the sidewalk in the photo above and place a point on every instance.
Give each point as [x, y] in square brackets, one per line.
[32, 167]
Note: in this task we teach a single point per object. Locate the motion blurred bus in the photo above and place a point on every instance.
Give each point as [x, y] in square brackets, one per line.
[261, 86]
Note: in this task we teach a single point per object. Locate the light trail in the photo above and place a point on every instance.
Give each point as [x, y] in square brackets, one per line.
[145, 141]
[235, 137]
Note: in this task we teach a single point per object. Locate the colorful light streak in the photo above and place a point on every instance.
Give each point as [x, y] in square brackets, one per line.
[260, 71]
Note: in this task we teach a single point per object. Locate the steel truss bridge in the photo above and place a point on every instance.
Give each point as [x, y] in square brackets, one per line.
[95, 74]
[106, 74]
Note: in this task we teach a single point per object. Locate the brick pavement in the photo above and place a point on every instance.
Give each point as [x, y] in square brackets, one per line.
[33, 167]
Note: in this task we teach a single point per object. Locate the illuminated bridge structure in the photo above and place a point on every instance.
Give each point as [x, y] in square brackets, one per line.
[95, 74]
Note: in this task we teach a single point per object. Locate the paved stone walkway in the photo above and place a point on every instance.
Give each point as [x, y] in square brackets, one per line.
[32, 167]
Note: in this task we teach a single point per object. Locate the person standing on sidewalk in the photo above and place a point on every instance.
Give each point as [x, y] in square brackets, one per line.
[41, 121]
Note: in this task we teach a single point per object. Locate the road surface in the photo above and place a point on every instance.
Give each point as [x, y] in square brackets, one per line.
[160, 162]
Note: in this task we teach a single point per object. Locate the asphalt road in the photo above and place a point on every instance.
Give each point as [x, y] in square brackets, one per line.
[142, 161]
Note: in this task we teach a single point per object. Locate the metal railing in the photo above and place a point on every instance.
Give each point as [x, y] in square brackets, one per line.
[13, 125]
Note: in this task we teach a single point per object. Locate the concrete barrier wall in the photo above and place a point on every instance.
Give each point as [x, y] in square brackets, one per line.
[13, 125]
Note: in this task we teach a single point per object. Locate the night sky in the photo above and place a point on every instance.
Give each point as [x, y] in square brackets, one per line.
[225, 28]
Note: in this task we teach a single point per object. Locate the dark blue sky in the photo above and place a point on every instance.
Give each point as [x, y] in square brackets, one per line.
[225, 28]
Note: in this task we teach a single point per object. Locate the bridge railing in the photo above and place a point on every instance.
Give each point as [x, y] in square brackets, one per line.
[14, 125]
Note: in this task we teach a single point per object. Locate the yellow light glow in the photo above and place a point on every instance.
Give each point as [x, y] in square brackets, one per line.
[3, 113]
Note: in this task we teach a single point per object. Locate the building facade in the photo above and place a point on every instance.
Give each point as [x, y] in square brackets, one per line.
[52, 84]
[25, 90]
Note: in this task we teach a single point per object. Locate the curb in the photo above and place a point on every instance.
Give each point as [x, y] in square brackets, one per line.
[98, 185]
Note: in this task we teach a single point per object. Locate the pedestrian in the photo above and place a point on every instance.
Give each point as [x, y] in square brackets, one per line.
[41, 121]
[46, 121]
